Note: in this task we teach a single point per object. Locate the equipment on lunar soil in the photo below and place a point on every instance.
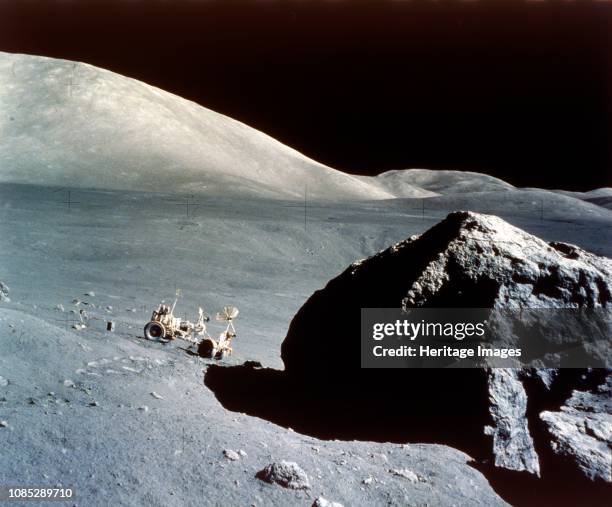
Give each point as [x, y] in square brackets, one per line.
[165, 326]
[222, 347]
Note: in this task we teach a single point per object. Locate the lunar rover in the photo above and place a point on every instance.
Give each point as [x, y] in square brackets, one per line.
[222, 347]
[164, 326]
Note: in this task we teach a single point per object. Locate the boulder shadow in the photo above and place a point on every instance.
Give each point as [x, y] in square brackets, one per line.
[392, 406]
[446, 407]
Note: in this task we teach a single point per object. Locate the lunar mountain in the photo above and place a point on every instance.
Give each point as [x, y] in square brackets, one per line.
[72, 124]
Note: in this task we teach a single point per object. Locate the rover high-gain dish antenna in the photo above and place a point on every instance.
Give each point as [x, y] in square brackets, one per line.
[228, 314]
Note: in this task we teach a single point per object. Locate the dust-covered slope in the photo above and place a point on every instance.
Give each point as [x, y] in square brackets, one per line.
[72, 124]
[125, 421]
[600, 196]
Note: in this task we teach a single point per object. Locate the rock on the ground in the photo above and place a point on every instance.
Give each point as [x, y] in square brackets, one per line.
[287, 474]
[468, 260]
[406, 474]
[582, 431]
[231, 455]
[4, 292]
[323, 502]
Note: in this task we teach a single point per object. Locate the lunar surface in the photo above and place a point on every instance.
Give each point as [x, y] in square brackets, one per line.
[114, 195]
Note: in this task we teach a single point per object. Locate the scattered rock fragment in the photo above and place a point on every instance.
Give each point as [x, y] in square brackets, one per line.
[231, 455]
[4, 293]
[406, 474]
[287, 474]
[323, 502]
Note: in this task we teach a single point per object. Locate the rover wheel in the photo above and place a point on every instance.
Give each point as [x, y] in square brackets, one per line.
[154, 331]
[222, 354]
[206, 348]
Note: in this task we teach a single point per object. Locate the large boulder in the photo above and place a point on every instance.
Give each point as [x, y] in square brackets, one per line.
[468, 260]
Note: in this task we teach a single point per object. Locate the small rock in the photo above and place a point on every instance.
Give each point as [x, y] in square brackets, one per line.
[286, 474]
[368, 480]
[3, 424]
[94, 403]
[59, 308]
[242, 453]
[156, 396]
[231, 455]
[4, 292]
[407, 474]
[91, 294]
[144, 408]
[3, 382]
[68, 383]
[322, 502]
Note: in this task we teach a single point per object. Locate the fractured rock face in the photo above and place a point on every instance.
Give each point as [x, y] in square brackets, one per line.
[468, 260]
[491, 262]
[582, 431]
[512, 444]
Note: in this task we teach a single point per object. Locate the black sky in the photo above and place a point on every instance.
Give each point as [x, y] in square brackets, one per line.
[521, 90]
